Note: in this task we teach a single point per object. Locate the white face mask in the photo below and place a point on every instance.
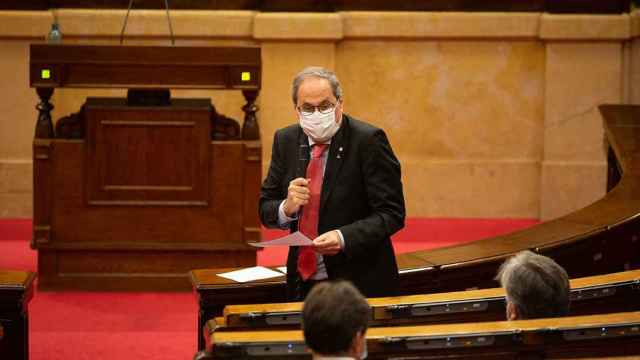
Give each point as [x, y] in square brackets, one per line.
[320, 127]
[364, 353]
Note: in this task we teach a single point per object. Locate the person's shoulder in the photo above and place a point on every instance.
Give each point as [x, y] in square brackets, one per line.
[290, 132]
[363, 128]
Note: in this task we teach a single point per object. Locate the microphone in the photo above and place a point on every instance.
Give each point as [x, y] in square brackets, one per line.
[301, 169]
[303, 160]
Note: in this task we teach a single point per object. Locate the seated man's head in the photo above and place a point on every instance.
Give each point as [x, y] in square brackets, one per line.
[334, 320]
[535, 286]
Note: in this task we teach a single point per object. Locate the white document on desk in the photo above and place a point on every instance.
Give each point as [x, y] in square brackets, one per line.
[295, 239]
[250, 274]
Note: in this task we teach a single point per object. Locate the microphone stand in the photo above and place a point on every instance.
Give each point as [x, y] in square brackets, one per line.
[126, 19]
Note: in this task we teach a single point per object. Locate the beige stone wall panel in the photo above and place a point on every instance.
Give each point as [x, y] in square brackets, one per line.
[16, 205]
[85, 23]
[585, 27]
[635, 23]
[25, 24]
[569, 186]
[297, 26]
[453, 100]
[579, 77]
[370, 24]
[17, 101]
[633, 67]
[16, 176]
[473, 188]
[634, 71]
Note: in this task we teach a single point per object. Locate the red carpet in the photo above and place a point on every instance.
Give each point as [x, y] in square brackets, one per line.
[110, 326]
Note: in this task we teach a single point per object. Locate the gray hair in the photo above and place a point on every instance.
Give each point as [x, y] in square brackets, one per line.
[319, 72]
[536, 285]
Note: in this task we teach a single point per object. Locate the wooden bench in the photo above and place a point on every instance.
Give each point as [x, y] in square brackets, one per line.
[590, 295]
[565, 337]
[16, 290]
[601, 238]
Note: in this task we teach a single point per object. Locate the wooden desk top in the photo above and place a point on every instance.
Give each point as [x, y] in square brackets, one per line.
[16, 289]
[380, 333]
[481, 294]
[16, 280]
[209, 279]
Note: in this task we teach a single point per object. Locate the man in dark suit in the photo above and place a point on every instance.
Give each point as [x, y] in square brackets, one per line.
[337, 180]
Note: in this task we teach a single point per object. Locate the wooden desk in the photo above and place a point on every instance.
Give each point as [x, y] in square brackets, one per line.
[134, 196]
[599, 239]
[570, 337]
[599, 294]
[16, 290]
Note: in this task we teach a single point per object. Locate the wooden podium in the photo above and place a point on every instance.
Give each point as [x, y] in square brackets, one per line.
[131, 196]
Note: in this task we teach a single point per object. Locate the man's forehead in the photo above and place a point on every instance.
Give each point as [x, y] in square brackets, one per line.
[315, 93]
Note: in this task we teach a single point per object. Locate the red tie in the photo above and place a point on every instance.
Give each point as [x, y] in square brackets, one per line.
[307, 265]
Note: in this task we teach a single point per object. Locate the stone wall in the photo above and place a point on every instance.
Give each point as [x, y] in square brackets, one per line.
[493, 115]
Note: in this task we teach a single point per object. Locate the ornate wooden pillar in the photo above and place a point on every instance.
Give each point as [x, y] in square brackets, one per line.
[44, 125]
[42, 192]
[250, 128]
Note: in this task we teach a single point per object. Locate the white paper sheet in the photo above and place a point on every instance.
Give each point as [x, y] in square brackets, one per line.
[250, 274]
[295, 239]
[282, 269]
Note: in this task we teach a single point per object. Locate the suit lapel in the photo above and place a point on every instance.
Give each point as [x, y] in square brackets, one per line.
[335, 159]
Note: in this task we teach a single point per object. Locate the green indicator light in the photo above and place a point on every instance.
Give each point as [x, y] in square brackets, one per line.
[45, 74]
[245, 76]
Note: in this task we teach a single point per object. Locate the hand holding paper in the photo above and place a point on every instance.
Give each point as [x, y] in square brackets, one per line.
[328, 243]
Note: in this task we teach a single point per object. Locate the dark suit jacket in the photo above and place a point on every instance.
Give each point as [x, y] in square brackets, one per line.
[361, 196]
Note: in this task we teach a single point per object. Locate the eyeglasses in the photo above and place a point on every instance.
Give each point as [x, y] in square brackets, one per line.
[324, 108]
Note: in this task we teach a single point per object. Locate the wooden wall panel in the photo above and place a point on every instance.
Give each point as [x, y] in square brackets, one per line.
[219, 224]
[147, 156]
[139, 247]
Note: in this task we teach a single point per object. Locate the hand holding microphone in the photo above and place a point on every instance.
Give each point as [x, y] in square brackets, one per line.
[298, 195]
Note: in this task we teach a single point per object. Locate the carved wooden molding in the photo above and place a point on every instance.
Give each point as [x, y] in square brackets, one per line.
[42, 192]
[252, 234]
[41, 234]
